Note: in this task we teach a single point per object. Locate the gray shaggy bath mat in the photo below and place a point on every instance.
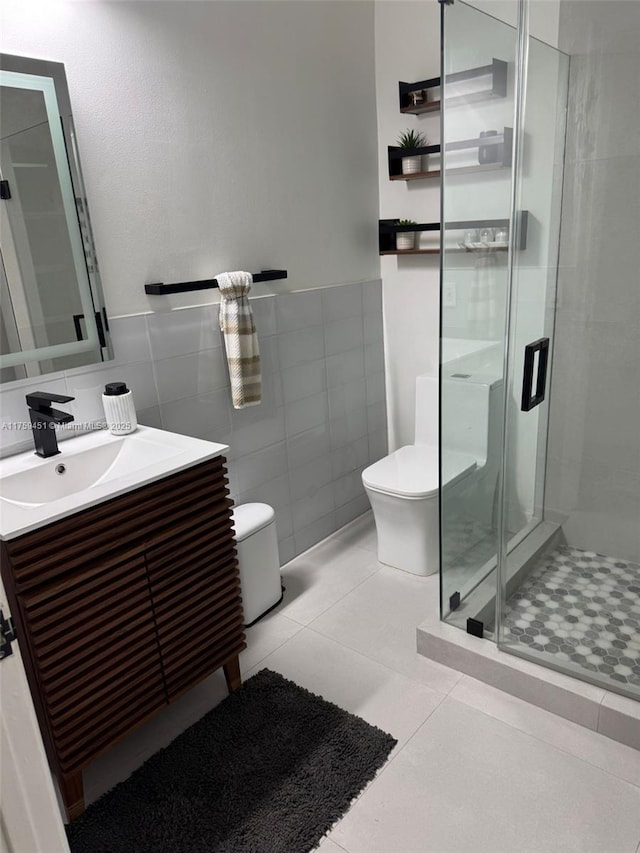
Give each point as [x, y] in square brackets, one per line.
[269, 770]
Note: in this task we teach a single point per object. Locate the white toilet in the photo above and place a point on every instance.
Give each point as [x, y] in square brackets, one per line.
[403, 487]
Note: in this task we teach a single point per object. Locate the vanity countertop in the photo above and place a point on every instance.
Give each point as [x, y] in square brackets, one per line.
[89, 470]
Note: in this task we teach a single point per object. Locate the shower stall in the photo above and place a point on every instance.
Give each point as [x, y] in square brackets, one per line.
[540, 337]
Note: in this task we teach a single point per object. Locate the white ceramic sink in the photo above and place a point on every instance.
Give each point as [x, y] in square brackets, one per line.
[88, 470]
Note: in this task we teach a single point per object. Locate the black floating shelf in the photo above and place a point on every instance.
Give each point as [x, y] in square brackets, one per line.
[416, 176]
[497, 149]
[456, 170]
[498, 88]
[159, 289]
[410, 252]
[396, 155]
[407, 104]
[388, 228]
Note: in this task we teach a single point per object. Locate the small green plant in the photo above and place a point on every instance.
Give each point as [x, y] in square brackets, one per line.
[407, 222]
[412, 139]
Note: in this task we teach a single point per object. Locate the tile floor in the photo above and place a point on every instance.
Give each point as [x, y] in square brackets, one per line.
[584, 608]
[474, 769]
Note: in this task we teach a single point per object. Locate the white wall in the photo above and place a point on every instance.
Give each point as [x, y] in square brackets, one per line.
[544, 16]
[217, 135]
[408, 49]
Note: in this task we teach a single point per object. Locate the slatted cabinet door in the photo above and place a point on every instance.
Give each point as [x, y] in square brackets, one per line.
[195, 590]
[94, 640]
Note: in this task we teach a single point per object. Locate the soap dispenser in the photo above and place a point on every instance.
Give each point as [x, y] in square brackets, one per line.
[119, 409]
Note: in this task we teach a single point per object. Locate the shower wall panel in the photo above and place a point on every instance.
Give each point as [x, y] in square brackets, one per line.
[593, 470]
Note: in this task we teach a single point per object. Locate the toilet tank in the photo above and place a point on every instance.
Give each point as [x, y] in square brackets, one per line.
[465, 419]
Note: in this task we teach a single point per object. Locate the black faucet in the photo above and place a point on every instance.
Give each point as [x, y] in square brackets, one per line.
[44, 420]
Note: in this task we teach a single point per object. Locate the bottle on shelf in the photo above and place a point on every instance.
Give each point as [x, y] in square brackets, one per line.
[487, 153]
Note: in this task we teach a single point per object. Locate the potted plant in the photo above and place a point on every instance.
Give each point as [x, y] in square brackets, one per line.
[412, 139]
[405, 240]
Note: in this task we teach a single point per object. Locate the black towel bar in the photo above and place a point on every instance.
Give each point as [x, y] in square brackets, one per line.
[159, 289]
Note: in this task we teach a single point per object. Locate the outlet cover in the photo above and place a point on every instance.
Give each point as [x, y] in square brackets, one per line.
[449, 295]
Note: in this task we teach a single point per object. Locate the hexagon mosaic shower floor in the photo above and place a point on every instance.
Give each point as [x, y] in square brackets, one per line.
[581, 607]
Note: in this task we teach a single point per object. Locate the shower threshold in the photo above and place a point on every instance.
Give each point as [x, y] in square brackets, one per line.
[593, 707]
[541, 638]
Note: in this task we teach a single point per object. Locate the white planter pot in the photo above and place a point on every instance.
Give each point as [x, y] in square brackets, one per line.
[411, 165]
[405, 240]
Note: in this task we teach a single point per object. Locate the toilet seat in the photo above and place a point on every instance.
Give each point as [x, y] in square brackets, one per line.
[412, 471]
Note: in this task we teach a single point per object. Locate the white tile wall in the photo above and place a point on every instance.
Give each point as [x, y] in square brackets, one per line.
[87, 388]
[300, 311]
[308, 445]
[346, 398]
[259, 433]
[349, 428]
[375, 388]
[303, 449]
[350, 456]
[351, 510]
[345, 367]
[190, 375]
[303, 380]
[255, 469]
[130, 338]
[307, 479]
[343, 335]
[299, 346]
[307, 536]
[264, 313]
[342, 303]
[305, 414]
[593, 458]
[200, 416]
[372, 328]
[317, 504]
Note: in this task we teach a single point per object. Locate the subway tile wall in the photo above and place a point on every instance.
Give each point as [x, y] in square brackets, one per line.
[321, 421]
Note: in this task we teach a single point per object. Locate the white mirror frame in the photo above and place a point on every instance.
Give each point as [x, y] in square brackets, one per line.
[53, 87]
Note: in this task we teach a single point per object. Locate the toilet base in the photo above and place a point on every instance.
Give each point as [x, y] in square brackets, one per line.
[408, 532]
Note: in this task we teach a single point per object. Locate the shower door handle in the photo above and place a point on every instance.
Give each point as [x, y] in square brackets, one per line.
[530, 399]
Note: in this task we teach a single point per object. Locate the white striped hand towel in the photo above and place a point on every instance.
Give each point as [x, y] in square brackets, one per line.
[240, 338]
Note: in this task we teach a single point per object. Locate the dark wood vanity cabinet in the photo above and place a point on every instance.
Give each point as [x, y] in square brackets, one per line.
[121, 608]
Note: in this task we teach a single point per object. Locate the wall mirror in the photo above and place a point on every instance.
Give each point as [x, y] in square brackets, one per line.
[52, 314]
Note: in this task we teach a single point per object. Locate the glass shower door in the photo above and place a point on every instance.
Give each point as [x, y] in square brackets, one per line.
[476, 136]
[537, 189]
[500, 213]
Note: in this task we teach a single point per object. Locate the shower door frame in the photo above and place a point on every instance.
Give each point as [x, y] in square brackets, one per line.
[508, 564]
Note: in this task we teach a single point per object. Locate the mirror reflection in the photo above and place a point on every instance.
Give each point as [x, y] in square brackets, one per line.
[51, 309]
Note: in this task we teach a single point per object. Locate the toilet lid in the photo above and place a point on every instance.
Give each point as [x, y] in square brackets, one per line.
[412, 471]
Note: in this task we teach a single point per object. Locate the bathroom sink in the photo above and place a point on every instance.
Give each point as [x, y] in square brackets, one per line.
[90, 469]
[63, 475]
